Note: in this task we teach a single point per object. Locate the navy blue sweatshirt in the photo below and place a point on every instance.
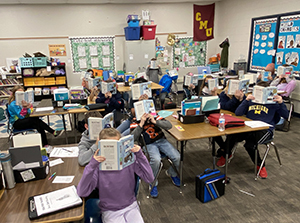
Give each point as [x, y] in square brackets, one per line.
[269, 113]
[115, 102]
[229, 104]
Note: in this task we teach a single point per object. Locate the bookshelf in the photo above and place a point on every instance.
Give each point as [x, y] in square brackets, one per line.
[7, 82]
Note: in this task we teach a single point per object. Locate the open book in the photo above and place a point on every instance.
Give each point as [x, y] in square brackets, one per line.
[191, 107]
[238, 85]
[117, 153]
[284, 69]
[95, 82]
[27, 96]
[264, 95]
[110, 86]
[173, 73]
[212, 83]
[97, 124]
[144, 106]
[139, 89]
[188, 79]
[265, 75]
[43, 204]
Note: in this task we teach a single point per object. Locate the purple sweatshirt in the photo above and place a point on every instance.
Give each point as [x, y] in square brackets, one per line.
[116, 188]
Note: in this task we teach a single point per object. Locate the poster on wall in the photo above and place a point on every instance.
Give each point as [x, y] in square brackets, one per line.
[93, 52]
[288, 42]
[189, 53]
[57, 50]
[263, 43]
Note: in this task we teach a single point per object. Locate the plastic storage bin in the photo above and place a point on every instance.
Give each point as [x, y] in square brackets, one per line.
[133, 23]
[26, 62]
[148, 32]
[39, 61]
[132, 33]
[132, 17]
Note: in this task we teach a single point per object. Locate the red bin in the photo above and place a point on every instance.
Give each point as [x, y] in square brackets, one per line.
[148, 32]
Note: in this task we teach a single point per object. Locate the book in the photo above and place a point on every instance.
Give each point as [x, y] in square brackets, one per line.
[264, 95]
[188, 79]
[284, 69]
[234, 85]
[141, 88]
[109, 87]
[117, 153]
[144, 106]
[191, 107]
[27, 96]
[77, 93]
[173, 73]
[94, 82]
[212, 83]
[209, 103]
[129, 78]
[141, 74]
[57, 200]
[265, 75]
[96, 124]
[251, 77]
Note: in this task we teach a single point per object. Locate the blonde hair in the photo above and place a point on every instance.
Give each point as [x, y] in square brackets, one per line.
[12, 96]
[109, 133]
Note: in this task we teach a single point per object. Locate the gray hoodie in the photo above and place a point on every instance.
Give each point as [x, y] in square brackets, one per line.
[87, 148]
[152, 74]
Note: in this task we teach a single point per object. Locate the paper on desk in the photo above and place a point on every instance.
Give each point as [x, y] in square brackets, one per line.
[256, 124]
[55, 162]
[64, 152]
[44, 109]
[21, 165]
[63, 179]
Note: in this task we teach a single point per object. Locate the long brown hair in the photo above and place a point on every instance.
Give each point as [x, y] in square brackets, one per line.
[203, 83]
[12, 96]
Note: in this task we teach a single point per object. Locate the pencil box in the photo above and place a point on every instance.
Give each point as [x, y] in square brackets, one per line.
[210, 185]
[230, 121]
[96, 106]
[37, 173]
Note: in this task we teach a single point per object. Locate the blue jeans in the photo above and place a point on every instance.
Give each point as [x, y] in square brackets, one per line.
[163, 146]
[124, 128]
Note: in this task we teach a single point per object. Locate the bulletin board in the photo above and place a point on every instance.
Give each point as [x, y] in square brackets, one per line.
[189, 53]
[275, 39]
[92, 53]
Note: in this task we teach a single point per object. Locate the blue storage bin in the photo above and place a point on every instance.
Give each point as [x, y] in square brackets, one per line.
[133, 23]
[132, 33]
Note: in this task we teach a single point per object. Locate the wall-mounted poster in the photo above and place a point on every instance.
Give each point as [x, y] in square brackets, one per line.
[92, 52]
[57, 50]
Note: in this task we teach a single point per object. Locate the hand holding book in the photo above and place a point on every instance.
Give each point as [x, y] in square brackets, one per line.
[98, 158]
[278, 99]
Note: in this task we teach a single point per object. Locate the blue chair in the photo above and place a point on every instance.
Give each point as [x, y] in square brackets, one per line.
[92, 212]
[10, 129]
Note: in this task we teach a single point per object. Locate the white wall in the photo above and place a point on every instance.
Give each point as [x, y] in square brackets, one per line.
[85, 20]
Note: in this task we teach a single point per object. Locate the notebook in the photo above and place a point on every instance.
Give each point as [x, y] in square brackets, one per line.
[210, 103]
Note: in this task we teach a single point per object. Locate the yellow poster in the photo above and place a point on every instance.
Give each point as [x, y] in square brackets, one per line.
[57, 50]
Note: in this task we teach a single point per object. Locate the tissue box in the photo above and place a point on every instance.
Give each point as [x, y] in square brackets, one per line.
[61, 94]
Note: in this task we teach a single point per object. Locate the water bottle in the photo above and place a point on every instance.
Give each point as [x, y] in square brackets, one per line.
[221, 122]
[8, 171]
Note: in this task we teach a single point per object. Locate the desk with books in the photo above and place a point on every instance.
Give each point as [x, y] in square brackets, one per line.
[14, 202]
[184, 132]
[154, 86]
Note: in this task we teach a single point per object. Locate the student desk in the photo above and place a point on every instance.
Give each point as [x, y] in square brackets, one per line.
[202, 130]
[14, 202]
[154, 86]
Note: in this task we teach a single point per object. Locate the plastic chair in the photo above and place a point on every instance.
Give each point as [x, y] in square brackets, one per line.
[10, 129]
[92, 212]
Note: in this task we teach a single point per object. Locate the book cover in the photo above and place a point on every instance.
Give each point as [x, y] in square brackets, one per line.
[141, 74]
[173, 73]
[144, 106]
[77, 93]
[109, 87]
[129, 78]
[212, 83]
[96, 124]
[284, 69]
[188, 79]
[117, 153]
[264, 95]
[139, 89]
[191, 107]
[210, 103]
[265, 75]
[27, 96]
[234, 85]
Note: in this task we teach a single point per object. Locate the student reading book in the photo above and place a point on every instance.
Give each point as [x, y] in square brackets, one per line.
[190, 89]
[212, 84]
[94, 82]
[284, 83]
[87, 147]
[96, 124]
[19, 117]
[241, 85]
[141, 88]
[206, 89]
[271, 68]
[153, 71]
[109, 87]
[116, 188]
[191, 79]
[27, 96]
[264, 95]
[117, 152]
[142, 107]
[265, 76]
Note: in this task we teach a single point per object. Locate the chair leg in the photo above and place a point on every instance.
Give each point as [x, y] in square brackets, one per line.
[156, 177]
[255, 163]
[277, 154]
[174, 168]
[263, 160]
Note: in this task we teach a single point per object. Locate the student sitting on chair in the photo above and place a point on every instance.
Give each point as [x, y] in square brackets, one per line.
[20, 120]
[284, 83]
[190, 90]
[153, 71]
[204, 87]
[87, 147]
[156, 142]
[269, 113]
[271, 68]
[116, 188]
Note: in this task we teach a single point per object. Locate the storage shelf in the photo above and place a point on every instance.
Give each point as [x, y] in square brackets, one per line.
[51, 85]
[4, 96]
[13, 74]
[9, 85]
[64, 75]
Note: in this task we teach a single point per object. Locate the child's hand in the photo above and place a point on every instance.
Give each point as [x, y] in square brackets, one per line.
[239, 95]
[135, 148]
[100, 159]
[191, 86]
[109, 94]
[143, 119]
[29, 105]
[143, 97]
[250, 97]
[24, 104]
[270, 78]
[278, 99]
[151, 118]
[259, 77]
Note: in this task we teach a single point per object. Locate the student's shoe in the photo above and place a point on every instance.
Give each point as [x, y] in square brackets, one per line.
[175, 180]
[153, 192]
[58, 132]
[263, 172]
[222, 160]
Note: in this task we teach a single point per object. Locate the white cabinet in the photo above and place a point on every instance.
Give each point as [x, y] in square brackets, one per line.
[137, 54]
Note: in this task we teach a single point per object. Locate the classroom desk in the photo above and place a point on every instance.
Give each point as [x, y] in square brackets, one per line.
[154, 86]
[202, 130]
[14, 202]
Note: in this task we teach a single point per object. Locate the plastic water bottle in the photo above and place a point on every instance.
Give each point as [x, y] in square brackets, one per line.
[221, 122]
